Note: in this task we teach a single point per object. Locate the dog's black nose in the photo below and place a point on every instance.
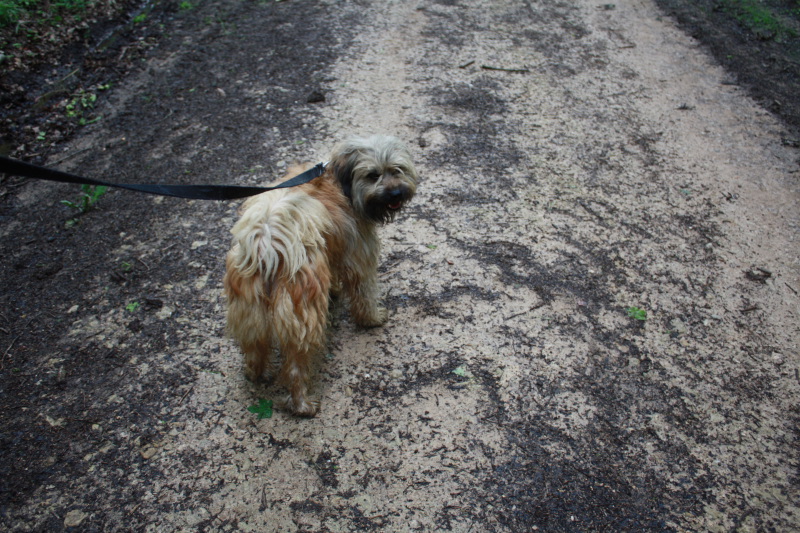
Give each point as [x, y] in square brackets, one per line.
[394, 198]
[394, 195]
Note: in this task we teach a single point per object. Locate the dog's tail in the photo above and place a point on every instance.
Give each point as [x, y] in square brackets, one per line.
[276, 233]
[276, 281]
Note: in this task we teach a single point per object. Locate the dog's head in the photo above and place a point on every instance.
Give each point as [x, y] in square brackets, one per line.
[376, 174]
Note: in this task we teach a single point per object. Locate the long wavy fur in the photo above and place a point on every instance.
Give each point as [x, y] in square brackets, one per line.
[290, 247]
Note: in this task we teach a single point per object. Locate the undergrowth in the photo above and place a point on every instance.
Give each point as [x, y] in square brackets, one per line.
[766, 20]
[15, 12]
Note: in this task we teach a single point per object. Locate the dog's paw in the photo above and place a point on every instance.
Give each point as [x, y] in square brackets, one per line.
[252, 375]
[377, 318]
[382, 315]
[259, 374]
[301, 407]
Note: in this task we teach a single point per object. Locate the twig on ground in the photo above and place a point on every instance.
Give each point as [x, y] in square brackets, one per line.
[517, 70]
[534, 308]
[185, 394]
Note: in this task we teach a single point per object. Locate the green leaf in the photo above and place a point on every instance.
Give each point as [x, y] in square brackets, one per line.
[638, 314]
[263, 408]
[98, 191]
[461, 371]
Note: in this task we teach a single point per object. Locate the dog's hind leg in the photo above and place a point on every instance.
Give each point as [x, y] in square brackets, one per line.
[258, 360]
[248, 321]
[301, 315]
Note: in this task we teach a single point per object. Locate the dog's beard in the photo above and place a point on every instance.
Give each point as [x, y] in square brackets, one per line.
[380, 191]
[381, 206]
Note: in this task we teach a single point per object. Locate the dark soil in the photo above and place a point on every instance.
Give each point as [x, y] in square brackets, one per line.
[47, 65]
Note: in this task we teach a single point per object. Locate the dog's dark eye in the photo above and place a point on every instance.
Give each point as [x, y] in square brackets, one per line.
[373, 176]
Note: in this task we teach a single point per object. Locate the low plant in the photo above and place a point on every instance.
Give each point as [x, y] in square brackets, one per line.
[80, 104]
[637, 313]
[759, 19]
[263, 408]
[90, 194]
[11, 11]
[14, 11]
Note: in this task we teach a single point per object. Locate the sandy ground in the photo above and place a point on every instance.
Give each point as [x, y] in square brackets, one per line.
[577, 160]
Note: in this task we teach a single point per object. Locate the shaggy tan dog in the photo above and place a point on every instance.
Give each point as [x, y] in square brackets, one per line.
[292, 247]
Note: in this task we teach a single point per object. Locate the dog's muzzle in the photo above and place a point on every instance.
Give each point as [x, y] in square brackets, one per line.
[395, 199]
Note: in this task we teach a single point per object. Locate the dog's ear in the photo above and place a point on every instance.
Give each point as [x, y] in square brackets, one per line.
[344, 164]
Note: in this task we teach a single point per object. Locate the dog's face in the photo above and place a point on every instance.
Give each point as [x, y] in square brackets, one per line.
[376, 174]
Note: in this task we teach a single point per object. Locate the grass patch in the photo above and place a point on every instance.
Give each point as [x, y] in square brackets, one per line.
[764, 21]
[12, 12]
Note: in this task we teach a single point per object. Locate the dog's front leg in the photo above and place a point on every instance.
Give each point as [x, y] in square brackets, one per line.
[363, 292]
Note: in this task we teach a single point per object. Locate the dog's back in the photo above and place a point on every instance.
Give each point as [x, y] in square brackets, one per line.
[276, 233]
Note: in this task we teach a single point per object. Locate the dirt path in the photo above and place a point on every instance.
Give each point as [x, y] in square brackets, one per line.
[577, 159]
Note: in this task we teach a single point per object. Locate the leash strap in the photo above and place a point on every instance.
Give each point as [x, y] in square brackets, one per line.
[193, 192]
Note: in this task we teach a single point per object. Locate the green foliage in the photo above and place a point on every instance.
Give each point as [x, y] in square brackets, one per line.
[263, 408]
[759, 18]
[90, 194]
[11, 11]
[80, 104]
[71, 5]
[131, 307]
[638, 314]
[14, 11]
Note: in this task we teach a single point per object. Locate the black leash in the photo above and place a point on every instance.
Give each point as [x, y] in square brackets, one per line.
[193, 192]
